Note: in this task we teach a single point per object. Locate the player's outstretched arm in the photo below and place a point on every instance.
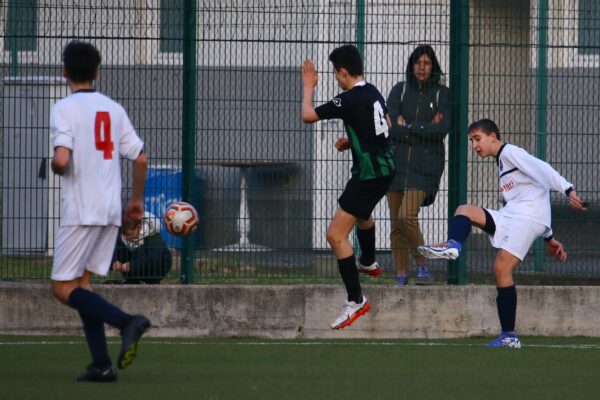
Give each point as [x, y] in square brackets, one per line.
[556, 249]
[60, 160]
[134, 211]
[310, 78]
[576, 201]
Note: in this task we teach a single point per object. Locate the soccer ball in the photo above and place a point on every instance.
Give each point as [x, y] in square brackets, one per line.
[181, 218]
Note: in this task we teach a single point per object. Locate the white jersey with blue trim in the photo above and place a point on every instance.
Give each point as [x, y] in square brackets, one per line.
[97, 130]
[525, 183]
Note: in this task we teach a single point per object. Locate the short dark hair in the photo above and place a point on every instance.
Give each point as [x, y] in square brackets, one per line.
[436, 70]
[486, 126]
[81, 60]
[347, 57]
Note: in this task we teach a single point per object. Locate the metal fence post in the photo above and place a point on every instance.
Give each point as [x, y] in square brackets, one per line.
[360, 44]
[188, 144]
[459, 91]
[360, 27]
[541, 100]
[13, 41]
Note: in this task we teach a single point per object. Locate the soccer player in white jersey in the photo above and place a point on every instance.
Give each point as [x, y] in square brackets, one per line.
[525, 182]
[89, 131]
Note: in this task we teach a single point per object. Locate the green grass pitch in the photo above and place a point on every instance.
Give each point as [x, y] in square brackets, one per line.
[33, 367]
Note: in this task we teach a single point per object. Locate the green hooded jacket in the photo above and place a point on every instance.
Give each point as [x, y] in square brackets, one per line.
[419, 151]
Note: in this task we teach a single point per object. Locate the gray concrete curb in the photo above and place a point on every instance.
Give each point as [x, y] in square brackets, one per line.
[304, 311]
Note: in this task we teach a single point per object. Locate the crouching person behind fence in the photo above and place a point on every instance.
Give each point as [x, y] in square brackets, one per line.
[141, 254]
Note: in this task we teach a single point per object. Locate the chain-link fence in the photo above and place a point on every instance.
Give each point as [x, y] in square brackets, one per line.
[264, 183]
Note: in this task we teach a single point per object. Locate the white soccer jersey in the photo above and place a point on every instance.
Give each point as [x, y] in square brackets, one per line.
[525, 182]
[97, 130]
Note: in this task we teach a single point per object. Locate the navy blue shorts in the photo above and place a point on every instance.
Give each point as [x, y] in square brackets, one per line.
[360, 197]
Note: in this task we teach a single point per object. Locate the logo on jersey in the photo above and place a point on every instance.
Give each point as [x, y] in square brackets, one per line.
[507, 186]
[337, 101]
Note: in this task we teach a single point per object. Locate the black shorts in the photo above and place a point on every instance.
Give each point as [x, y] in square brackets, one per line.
[360, 197]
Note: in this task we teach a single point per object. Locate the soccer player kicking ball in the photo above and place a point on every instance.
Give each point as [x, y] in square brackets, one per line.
[362, 109]
[89, 131]
[525, 182]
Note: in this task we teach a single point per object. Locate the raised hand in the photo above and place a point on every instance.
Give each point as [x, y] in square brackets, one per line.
[310, 77]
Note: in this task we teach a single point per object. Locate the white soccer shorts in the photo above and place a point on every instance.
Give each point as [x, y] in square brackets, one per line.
[80, 248]
[515, 235]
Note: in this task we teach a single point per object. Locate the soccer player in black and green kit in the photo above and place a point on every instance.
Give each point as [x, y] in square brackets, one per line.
[362, 109]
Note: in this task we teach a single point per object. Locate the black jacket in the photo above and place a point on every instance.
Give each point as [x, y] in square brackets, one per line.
[148, 263]
[419, 151]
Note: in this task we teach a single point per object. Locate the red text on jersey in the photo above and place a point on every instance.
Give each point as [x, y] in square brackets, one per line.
[507, 186]
[102, 131]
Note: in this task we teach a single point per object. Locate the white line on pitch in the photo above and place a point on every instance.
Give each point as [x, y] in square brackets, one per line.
[308, 344]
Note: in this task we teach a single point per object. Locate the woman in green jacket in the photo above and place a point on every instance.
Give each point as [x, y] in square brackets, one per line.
[420, 117]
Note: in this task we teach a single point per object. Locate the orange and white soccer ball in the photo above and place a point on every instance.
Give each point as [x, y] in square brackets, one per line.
[181, 218]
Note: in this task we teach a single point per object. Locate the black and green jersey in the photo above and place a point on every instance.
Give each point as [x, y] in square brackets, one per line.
[363, 111]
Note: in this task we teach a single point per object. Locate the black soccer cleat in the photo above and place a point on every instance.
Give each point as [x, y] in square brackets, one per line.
[130, 336]
[97, 374]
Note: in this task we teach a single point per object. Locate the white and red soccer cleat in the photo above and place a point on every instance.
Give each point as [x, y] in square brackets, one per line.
[372, 270]
[351, 311]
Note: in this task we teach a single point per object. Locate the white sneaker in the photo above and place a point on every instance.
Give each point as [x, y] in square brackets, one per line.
[351, 311]
[373, 269]
[449, 250]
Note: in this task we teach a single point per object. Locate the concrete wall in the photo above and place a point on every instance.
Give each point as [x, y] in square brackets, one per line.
[304, 311]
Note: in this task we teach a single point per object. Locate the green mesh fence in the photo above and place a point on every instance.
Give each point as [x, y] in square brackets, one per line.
[534, 69]
[264, 183]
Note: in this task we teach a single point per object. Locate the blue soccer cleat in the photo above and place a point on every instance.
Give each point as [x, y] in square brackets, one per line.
[449, 250]
[505, 341]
